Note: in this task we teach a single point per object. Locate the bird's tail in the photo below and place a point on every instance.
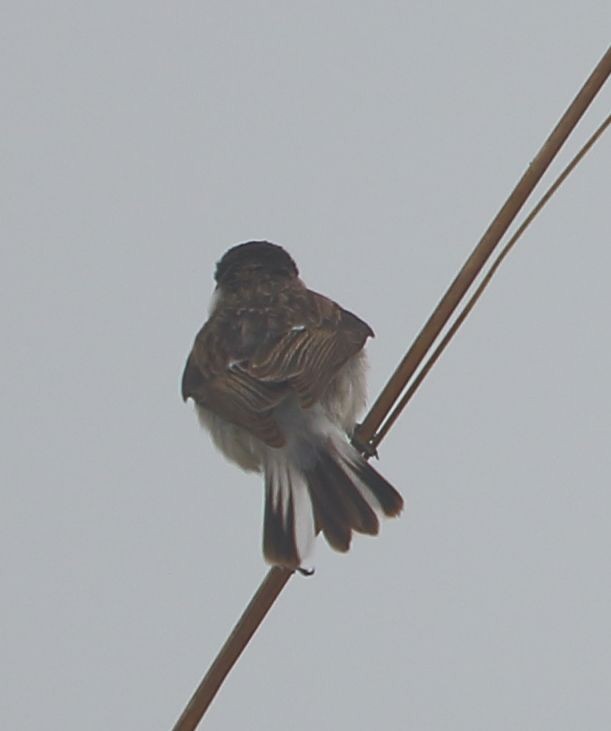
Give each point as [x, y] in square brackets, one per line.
[333, 490]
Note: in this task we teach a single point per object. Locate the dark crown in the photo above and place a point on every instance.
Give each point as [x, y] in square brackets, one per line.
[254, 257]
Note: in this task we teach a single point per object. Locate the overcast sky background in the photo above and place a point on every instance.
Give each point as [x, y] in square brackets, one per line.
[375, 141]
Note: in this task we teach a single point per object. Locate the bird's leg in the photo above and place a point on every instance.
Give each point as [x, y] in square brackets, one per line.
[367, 449]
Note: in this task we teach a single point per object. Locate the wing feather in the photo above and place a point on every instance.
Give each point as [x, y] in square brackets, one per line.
[246, 361]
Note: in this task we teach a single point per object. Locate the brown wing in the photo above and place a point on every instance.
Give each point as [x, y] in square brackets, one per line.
[309, 354]
[246, 361]
[213, 380]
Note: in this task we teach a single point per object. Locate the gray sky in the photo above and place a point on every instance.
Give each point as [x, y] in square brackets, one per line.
[375, 141]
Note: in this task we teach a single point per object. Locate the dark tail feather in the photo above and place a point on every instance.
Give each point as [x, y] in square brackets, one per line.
[345, 492]
[390, 500]
[340, 493]
[338, 505]
[279, 539]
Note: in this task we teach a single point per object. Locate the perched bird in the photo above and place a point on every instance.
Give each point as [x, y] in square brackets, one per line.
[277, 376]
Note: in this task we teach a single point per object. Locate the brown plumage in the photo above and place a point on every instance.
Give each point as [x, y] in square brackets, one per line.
[276, 374]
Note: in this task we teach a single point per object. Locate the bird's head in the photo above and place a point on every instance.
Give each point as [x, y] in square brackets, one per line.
[254, 259]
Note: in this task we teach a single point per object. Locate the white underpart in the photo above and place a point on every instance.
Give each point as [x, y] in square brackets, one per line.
[237, 444]
[305, 430]
[341, 404]
[287, 481]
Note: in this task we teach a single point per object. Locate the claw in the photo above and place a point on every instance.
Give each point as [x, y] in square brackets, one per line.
[367, 449]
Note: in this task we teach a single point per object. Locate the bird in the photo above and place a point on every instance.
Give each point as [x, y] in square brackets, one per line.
[277, 375]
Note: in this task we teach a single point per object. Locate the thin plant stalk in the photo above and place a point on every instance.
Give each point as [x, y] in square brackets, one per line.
[276, 577]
